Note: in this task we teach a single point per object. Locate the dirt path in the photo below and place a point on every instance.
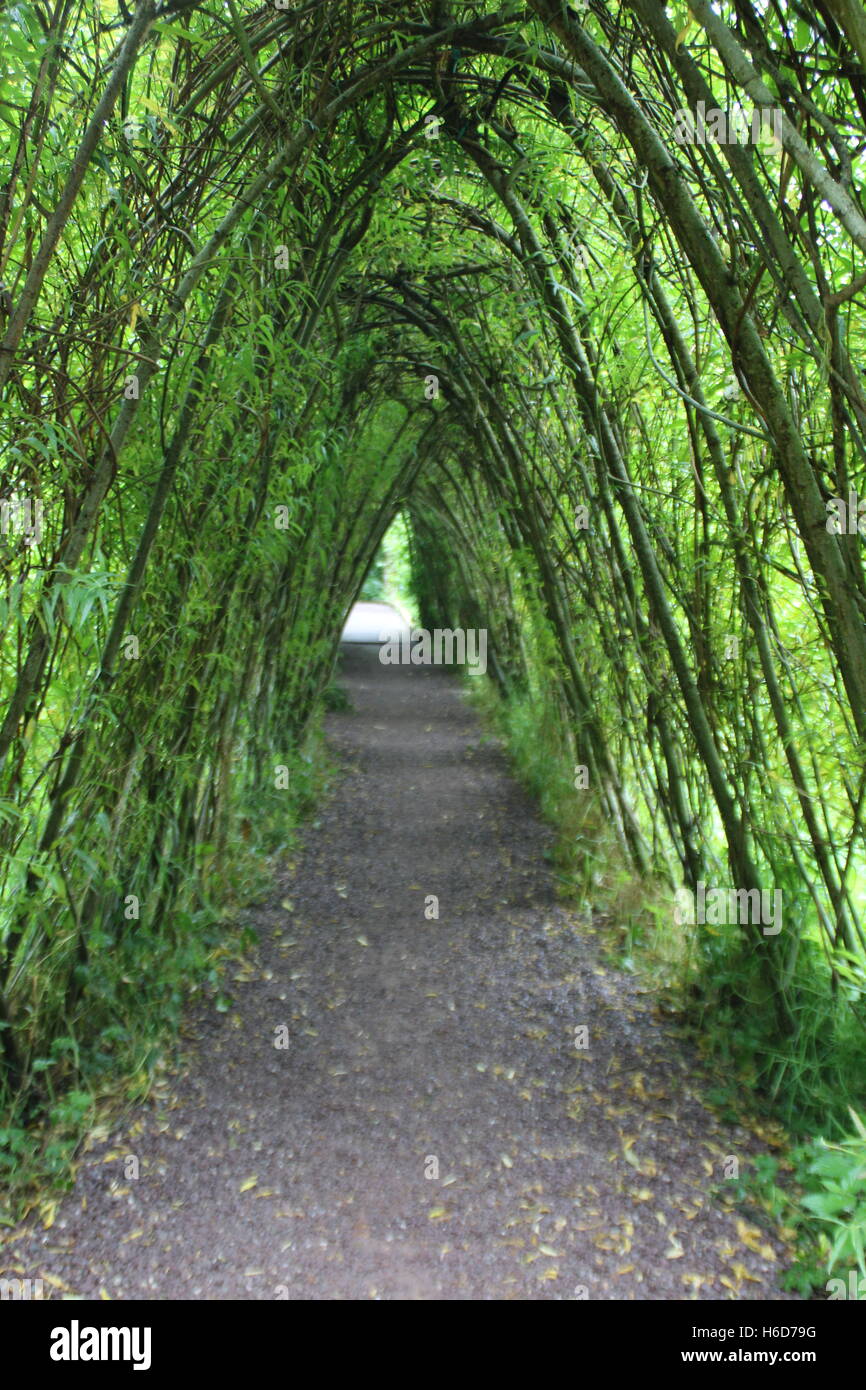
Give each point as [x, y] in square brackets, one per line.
[301, 1172]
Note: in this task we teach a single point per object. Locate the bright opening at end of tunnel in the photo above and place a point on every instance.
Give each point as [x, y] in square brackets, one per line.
[386, 607]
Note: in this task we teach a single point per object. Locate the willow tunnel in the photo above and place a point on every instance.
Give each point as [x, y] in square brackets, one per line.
[575, 291]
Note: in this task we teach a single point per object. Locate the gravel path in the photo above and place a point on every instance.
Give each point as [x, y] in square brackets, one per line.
[431, 1130]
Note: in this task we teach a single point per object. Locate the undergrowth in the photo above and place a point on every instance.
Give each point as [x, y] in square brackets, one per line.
[116, 1052]
[805, 1096]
